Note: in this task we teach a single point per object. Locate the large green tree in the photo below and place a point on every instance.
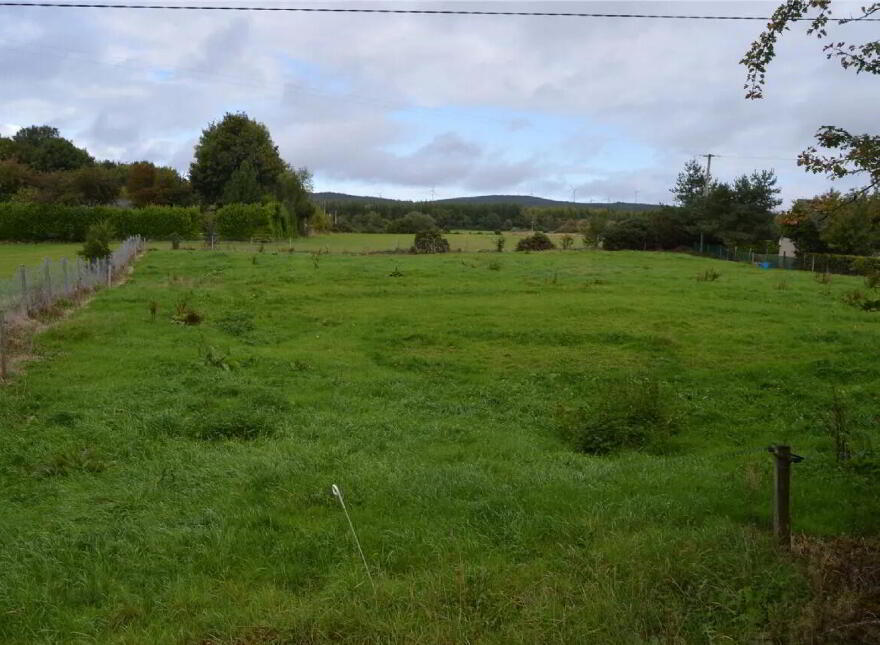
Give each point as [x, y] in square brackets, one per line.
[150, 184]
[839, 152]
[223, 148]
[44, 149]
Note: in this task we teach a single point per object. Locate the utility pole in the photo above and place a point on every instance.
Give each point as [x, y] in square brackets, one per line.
[708, 173]
[637, 197]
[574, 192]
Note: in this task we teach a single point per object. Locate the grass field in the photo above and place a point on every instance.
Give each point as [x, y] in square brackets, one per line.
[466, 242]
[13, 255]
[162, 483]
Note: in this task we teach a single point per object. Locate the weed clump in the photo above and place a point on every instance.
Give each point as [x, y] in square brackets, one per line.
[186, 315]
[634, 414]
[857, 298]
[536, 242]
[236, 323]
[709, 275]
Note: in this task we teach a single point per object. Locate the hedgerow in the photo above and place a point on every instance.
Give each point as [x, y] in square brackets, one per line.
[28, 222]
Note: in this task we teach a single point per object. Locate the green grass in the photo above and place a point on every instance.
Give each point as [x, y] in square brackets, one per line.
[465, 241]
[14, 255]
[169, 484]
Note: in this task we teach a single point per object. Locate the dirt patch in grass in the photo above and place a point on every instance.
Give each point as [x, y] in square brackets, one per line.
[844, 575]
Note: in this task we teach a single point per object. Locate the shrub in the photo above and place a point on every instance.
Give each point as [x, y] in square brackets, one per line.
[536, 242]
[499, 243]
[638, 413]
[97, 245]
[630, 233]
[246, 221]
[567, 242]
[430, 242]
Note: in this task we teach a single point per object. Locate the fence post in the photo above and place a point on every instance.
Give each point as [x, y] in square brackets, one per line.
[783, 458]
[66, 277]
[47, 281]
[25, 301]
[2, 346]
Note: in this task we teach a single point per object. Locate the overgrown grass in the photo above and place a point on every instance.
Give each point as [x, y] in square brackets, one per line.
[165, 483]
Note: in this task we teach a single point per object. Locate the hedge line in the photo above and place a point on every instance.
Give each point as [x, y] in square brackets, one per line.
[24, 222]
[246, 221]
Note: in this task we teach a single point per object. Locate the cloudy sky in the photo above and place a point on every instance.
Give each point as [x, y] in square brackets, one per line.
[412, 106]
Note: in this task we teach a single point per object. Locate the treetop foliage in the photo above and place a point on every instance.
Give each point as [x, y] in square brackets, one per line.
[42, 148]
[222, 150]
[857, 154]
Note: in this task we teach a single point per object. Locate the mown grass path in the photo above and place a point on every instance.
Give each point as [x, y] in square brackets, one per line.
[162, 483]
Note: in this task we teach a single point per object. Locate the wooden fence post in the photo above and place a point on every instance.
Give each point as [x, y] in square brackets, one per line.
[783, 458]
[25, 300]
[47, 281]
[66, 277]
[2, 346]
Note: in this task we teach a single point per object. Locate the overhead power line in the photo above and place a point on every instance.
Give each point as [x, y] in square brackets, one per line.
[367, 10]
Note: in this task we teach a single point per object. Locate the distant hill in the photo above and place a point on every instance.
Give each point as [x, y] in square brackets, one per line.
[521, 200]
[342, 197]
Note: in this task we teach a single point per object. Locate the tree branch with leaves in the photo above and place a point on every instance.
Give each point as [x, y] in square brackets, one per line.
[838, 153]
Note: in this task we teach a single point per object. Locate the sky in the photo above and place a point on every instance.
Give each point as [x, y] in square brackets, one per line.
[415, 107]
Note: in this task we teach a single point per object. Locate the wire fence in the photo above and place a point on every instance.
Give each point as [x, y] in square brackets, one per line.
[815, 262]
[36, 288]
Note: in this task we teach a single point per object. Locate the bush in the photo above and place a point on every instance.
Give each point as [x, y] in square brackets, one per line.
[97, 245]
[635, 414]
[536, 242]
[631, 233]
[430, 242]
[246, 221]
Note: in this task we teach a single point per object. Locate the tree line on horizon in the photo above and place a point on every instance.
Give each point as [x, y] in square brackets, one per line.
[240, 187]
[237, 179]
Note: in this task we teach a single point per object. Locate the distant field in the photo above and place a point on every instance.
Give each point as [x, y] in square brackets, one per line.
[370, 242]
[14, 255]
